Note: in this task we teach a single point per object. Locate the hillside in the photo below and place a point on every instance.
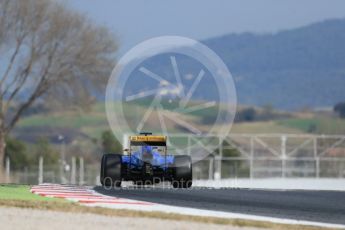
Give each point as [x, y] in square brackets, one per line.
[290, 69]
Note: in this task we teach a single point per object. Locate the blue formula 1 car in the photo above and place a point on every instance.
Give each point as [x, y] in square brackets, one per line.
[146, 162]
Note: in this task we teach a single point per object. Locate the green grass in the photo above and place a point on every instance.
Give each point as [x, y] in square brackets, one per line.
[320, 125]
[92, 123]
[263, 127]
[302, 124]
[21, 192]
[63, 120]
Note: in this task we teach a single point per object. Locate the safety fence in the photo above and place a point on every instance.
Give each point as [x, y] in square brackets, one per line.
[236, 156]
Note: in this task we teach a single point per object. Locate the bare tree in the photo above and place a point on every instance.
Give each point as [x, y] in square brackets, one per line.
[47, 49]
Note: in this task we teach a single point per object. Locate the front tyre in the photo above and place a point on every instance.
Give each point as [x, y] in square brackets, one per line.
[182, 173]
[111, 170]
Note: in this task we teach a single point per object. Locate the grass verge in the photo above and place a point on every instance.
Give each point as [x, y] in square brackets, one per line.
[21, 193]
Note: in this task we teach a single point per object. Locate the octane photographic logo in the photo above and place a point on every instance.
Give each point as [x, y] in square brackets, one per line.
[172, 85]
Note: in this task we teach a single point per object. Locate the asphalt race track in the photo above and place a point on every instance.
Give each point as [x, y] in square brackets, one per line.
[319, 206]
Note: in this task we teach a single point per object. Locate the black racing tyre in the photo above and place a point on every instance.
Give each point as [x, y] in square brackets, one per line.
[182, 173]
[111, 170]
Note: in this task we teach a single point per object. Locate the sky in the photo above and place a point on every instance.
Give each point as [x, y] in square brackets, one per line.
[135, 21]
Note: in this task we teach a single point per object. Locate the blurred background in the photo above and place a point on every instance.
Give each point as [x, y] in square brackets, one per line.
[287, 60]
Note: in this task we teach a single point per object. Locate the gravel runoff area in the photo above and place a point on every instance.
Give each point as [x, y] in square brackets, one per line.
[21, 219]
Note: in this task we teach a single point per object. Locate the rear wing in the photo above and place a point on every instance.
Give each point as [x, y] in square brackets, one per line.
[148, 140]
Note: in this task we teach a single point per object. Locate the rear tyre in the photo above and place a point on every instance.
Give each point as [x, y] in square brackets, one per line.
[111, 170]
[182, 173]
